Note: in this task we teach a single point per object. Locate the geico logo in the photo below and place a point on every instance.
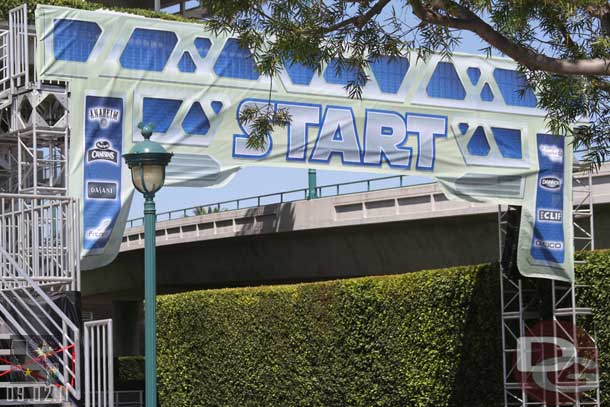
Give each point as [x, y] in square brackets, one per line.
[549, 244]
[550, 182]
[549, 215]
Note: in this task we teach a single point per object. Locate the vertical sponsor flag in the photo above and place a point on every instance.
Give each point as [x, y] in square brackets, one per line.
[102, 172]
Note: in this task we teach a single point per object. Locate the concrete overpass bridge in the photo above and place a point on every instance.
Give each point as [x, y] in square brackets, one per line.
[386, 228]
[370, 227]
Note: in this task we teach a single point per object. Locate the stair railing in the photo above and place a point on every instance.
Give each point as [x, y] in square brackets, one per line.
[32, 314]
[41, 234]
[39, 254]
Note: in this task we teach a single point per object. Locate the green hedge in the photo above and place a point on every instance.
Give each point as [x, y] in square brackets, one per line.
[129, 369]
[422, 339]
[430, 338]
[595, 274]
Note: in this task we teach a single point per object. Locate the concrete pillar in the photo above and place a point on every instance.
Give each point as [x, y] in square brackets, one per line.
[126, 317]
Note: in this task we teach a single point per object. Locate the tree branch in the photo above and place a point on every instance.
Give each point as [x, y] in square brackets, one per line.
[600, 84]
[467, 20]
[603, 14]
[361, 20]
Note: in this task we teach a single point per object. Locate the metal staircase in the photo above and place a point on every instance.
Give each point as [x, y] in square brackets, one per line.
[40, 323]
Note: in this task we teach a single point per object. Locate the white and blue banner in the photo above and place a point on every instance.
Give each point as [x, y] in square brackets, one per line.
[102, 169]
[548, 240]
[469, 122]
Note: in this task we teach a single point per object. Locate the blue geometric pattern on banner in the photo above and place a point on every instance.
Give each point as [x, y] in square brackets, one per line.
[235, 62]
[186, 63]
[486, 93]
[510, 83]
[445, 83]
[390, 72]
[478, 144]
[161, 112]
[73, 40]
[474, 74]
[148, 50]
[463, 127]
[299, 74]
[196, 122]
[346, 75]
[508, 141]
[216, 106]
[203, 46]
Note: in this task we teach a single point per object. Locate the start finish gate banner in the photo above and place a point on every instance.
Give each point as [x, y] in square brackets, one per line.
[463, 122]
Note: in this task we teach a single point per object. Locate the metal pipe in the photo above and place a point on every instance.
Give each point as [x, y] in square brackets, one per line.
[313, 183]
[150, 299]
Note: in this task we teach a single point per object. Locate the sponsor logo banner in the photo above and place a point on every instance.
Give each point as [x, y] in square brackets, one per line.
[102, 172]
[548, 241]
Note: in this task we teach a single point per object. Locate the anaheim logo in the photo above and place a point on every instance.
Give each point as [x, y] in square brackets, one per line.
[103, 151]
[104, 115]
[550, 182]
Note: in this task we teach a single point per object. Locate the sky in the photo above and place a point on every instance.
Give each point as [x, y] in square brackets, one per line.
[255, 181]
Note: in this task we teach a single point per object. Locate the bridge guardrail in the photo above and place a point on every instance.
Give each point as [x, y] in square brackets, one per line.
[323, 191]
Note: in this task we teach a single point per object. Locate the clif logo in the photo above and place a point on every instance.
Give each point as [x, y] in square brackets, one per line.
[102, 151]
[549, 215]
[556, 363]
[550, 182]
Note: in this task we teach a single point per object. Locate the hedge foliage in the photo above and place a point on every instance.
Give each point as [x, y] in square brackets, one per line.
[129, 369]
[422, 339]
[595, 273]
[430, 338]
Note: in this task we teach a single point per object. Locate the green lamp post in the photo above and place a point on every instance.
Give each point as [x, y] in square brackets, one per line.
[147, 161]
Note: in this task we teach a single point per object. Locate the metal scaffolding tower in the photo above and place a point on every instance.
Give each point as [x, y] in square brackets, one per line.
[526, 302]
[39, 243]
